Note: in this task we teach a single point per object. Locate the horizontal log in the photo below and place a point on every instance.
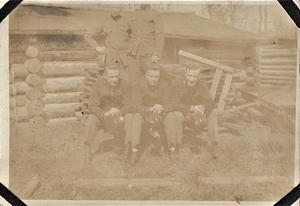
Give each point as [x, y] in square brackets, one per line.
[19, 71]
[33, 65]
[11, 77]
[33, 79]
[278, 49]
[266, 77]
[21, 114]
[278, 61]
[19, 88]
[35, 93]
[274, 85]
[278, 72]
[54, 70]
[12, 90]
[286, 53]
[282, 82]
[21, 100]
[68, 97]
[60, 121]
[69, 66]
[38, 121]
[277, 67]
[61, 110]
[32, 51]
[65, 84]
[35, 107]
[58, 55]
[12, 103]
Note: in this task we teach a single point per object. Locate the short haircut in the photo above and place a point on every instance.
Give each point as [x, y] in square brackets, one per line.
[153, 66]
[112, 67]
[193, 66]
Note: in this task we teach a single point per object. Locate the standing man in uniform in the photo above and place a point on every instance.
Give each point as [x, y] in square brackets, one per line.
[146, 41]
[108, 103]
[151, 103]
[116, 32]
[192, 107]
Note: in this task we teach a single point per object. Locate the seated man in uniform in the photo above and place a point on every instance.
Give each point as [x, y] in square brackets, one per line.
[108, 103]
[192, 107]
[151, 101]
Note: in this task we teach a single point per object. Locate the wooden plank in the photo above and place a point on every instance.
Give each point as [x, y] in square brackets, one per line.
[215, 83]
[238, 108]
[66, 97]
[205, 61]
[225, 91]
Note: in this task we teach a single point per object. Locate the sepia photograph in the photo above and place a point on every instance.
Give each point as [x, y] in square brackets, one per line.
[152, 101]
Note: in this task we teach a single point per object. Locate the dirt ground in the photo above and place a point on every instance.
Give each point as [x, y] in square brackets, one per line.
[46, 163]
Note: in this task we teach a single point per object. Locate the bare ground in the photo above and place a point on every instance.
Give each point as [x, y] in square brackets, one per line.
[255, 165]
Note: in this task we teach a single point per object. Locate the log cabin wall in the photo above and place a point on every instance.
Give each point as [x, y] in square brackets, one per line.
[50, 77]
[276, 62]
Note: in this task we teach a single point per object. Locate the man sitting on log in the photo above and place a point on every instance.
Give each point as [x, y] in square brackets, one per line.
[151, 101]
[192, 108]
[108, 102]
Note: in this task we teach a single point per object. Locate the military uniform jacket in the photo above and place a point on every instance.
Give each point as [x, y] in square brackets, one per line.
[184, 96]
[146, 34]
[145, 96]
[104, 96]
[117, 38]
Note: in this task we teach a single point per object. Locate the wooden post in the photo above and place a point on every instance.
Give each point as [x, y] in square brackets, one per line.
[215, 83]
[225, 91]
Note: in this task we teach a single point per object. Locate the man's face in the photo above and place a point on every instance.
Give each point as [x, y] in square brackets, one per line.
[116, 12]
[145, 6]
[152, 77]
[112, 76]
[192, 76]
